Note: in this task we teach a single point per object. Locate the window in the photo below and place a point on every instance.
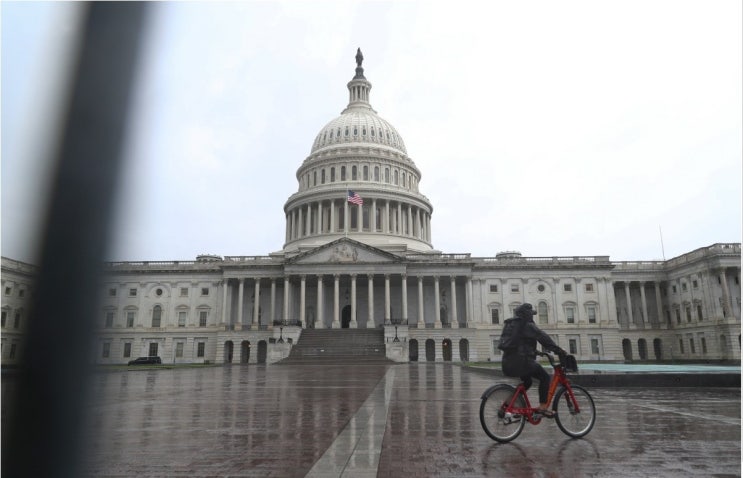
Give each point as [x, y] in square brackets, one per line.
[132, 292]
[21, 292]
[691, 345]
[109, 319]
[681, 344]
[353, 173]
[343, 173]
[695, 284]
[127, 349]
[366, 173]
[540, 287]
[573, 346]
[493, 287]
[332, 175]
[376, 173]
[495, 316]
[179, 349]
[674, 289]
[595, 346]
[158, 292]
[570, 314]
[12, 351]
[17, 320]
[200, 349]
[182, 318]
[3, 318]
[699, 312]
[542, 312]
[106, 350]
[153, 349]
[8, 290]
[589, 287]
[684, 287]
[688, 313]
[204, 291]
[322, 176]
[514, 287]
[387, 175]
[678, 316]
[184, 291]
[314, 178]
[703, 341]
[112, 292]
[567, 287]
[157, 313]
[130, 318]
[202, 318]
[591, 315]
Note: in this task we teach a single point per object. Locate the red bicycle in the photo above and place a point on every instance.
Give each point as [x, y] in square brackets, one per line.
[505, 409]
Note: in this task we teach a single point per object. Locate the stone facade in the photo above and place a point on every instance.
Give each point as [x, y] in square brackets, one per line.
[371, 263]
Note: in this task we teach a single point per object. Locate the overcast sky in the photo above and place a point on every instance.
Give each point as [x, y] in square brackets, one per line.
[551, 128]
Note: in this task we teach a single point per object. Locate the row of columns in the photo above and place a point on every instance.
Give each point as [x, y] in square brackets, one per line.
[336, 300]
[396, 218]
[644, 303]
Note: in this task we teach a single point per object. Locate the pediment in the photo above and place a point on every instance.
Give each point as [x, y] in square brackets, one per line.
[345, 251]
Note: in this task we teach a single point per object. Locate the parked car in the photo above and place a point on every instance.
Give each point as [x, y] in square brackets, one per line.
[145, 361]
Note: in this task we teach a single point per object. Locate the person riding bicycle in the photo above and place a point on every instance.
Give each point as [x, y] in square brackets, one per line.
[521, 362]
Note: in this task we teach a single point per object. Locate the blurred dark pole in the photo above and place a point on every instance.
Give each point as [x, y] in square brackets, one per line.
[48, 409]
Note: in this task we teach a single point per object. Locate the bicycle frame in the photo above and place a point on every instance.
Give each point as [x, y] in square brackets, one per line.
[559, 378]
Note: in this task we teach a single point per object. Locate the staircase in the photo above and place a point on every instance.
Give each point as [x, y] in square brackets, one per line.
[338, 346]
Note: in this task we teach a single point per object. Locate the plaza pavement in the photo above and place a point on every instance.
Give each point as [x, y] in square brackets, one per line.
[406, 420]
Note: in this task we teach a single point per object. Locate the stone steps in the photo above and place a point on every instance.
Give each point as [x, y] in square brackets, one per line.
[339, 346]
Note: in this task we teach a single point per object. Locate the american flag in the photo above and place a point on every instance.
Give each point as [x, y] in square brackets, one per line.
[355, 198]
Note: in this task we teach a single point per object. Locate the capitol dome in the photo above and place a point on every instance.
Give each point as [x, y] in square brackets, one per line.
[358, 153]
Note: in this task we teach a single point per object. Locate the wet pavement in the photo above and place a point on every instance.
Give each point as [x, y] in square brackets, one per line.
[411, 420]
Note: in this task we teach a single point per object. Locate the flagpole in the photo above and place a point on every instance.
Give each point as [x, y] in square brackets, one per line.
[345, 214]
[662, 248]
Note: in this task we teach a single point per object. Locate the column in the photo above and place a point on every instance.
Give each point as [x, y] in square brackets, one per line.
[346, 218]
[286, 300]
[319, 318]
[470, 304]
[309, 220]
[373, 216]
[273, 302]
[437, 304]
[332, 216]
[353, 324]
[257, 304]
[318, 227]
[421, 318]
[225, 285]
[300, 222]
[240, 304]
[370, 319]
[287, 234]
[727, 305]
[454, 316]
[658, 303]
[336, 298]
[399, 219]
[418, 223]
[386, 217]
[386, 299]
[360, 218]
[630, 317]
[410, 222]
[405, 299]
[302, 300]
[644, 303]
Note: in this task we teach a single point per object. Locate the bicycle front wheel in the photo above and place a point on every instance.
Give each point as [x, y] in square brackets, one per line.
[499, 423]
[572, 422]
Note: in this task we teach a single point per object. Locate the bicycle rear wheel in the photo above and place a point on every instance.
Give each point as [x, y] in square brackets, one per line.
[498, 423]
[574, 423]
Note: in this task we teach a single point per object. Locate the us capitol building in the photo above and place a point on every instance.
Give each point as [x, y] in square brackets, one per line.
[358, 254]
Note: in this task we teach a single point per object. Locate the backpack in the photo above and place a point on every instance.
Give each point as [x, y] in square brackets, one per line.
[510, 337]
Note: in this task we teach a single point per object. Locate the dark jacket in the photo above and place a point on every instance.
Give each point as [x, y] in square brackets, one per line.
[530, 336]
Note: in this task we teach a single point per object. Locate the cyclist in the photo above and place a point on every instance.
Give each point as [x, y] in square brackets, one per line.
[521, 361]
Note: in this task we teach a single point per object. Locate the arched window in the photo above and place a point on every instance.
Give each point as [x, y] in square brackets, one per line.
[157, 314]
[314, 179]
[322, 176]
[396, 178]
[332, 175]
[343, 173]
[403, 179]
[376, 173]
[387, 175]
[366, 173]
[353, 173]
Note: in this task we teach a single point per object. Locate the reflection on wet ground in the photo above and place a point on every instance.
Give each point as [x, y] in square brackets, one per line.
[412, 420]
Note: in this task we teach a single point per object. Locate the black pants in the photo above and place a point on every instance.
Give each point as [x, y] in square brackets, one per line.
[527, 368]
